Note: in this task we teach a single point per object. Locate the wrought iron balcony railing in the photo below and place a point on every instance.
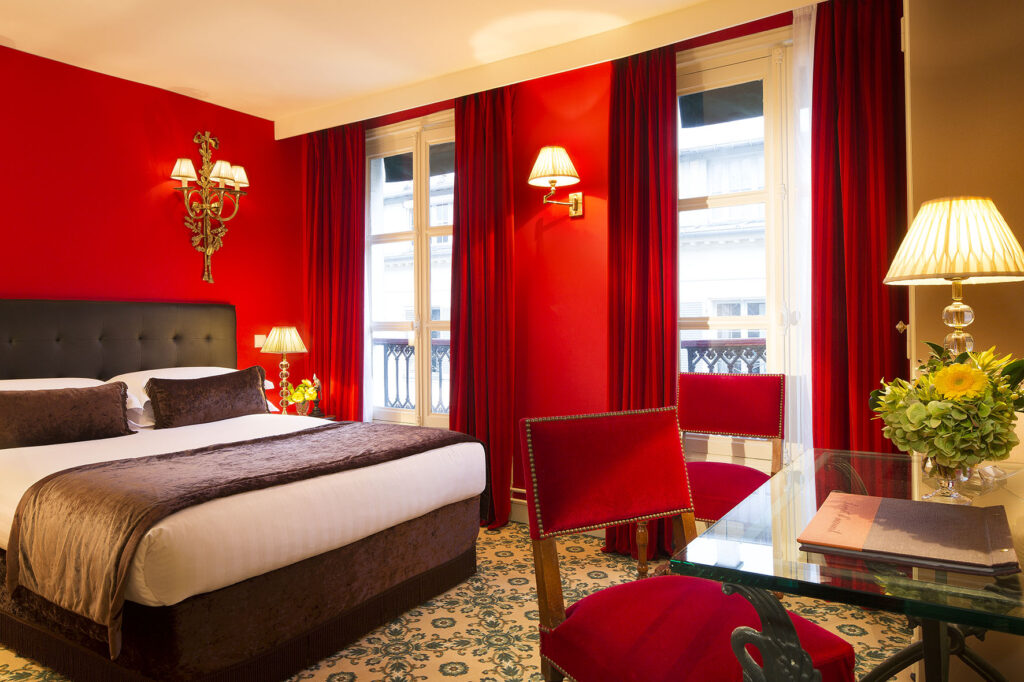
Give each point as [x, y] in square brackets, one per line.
[399, 373]
[725, 356]
[398, 379]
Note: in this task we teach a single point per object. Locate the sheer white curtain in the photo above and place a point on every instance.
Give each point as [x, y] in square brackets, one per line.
[796, 309]
[368, 398]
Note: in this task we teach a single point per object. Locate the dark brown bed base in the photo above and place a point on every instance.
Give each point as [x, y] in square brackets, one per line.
[265, 628]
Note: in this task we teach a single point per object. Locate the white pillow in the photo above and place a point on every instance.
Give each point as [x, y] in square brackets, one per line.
[47, 384]
[140, 410]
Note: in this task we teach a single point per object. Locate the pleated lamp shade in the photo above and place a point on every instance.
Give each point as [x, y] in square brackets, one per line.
[222, 172]
[241, 178]
[957, 238]
[283, 340]
[553, 166]
[184, 171]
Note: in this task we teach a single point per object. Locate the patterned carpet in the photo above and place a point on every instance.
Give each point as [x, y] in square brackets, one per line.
[486, 628]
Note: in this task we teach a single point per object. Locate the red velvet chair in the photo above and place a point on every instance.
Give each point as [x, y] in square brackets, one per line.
[739, 405]
[591, 471]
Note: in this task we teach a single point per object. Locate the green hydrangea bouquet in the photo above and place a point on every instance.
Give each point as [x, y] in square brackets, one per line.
[959, 411]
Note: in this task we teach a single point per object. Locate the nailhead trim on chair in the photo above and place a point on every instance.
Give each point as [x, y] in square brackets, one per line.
[575, 417]
[559, 668]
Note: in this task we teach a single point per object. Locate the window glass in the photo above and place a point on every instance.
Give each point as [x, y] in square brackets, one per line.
[723, 309]
[392, 282]
[721, 260]
[721, 141]
[441, 277]
[391, 194]
[393, 364]
[442, 184]
[440, 370]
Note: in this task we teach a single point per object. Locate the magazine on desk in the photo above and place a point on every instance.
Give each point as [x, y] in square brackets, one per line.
[926, 534]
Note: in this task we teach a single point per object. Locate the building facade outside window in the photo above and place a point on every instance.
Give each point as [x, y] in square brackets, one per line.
[410, 205]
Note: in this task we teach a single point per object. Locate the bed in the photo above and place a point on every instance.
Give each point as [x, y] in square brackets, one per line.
[254, 586]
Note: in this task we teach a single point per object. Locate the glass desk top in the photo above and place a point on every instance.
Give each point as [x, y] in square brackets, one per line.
[755, 543]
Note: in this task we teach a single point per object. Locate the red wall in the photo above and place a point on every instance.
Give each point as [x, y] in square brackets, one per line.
[561, 265]
[89, 211]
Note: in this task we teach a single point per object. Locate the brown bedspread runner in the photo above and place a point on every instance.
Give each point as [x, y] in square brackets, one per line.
[75, 532]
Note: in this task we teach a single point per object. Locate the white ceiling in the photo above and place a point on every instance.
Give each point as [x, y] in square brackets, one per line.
[280, 59]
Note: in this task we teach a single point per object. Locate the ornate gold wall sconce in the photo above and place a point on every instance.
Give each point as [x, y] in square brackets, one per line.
[204, 203]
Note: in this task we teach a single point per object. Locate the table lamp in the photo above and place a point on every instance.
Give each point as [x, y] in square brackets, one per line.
[958, 240]
[283, 340]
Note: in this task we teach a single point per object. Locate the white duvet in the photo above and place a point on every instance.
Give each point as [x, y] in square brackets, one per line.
[227, 540]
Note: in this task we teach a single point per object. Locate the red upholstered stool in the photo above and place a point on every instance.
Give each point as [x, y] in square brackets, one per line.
[738, 405]
[592, 471]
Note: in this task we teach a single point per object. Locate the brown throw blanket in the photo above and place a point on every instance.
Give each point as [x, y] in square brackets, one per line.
[75, 532]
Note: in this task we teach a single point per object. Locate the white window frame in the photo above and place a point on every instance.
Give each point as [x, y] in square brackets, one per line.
[416, 136]
[758, 57]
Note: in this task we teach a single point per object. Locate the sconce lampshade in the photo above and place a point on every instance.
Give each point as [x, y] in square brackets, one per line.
[283, 340]
[184, 171]
[222, 172]
[962, 238]
[241, 179]
[553, 166]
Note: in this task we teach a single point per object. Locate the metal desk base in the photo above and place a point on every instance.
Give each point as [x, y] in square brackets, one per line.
[938, 642]
[786, 661]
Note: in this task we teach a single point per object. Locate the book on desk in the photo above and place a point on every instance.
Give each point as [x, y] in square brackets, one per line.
[926, 534]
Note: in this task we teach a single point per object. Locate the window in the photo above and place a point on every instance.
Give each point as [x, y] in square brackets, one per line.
[410, 208]
[730, 168]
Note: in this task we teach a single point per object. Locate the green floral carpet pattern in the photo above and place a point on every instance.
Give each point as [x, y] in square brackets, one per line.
[486, 628]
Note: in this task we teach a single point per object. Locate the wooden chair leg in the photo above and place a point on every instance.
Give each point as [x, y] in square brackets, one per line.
[776, 455]
[550, 672]
[641, 549]
[549, 583]
[684, 530]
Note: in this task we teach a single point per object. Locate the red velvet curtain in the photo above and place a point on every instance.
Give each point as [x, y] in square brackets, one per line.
[335, 183]
[483, 323]
[642, 249]
[859, 187]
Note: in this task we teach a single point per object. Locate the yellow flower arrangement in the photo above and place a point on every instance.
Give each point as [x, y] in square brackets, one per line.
[960, 381]
[959, 411]
[305, 391]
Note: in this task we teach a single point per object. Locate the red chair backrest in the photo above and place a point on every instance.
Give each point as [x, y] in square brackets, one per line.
[590, 471]
[732, 404]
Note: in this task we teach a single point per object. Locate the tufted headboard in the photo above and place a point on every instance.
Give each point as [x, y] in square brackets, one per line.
[101, 339]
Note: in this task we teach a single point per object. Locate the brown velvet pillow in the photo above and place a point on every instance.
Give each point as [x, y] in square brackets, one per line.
[62, 415]
[180, 402]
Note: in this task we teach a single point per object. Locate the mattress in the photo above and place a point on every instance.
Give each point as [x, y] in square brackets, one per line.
[228, 540]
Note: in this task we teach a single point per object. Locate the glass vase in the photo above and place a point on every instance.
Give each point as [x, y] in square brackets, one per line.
[948, 483]
[302, 408]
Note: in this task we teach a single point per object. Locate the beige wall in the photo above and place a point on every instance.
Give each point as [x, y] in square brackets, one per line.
[966, 133]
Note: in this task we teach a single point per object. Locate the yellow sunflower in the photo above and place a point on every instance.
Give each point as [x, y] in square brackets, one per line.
[960, 381]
